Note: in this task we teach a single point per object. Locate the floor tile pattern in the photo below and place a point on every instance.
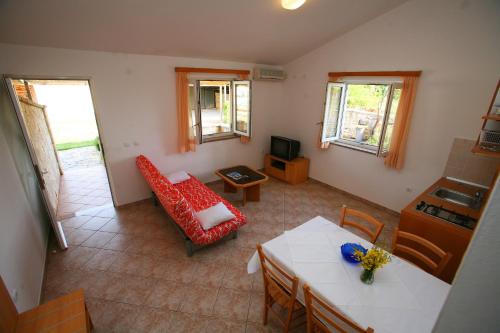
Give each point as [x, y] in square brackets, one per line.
[83, 189]
[132, 264]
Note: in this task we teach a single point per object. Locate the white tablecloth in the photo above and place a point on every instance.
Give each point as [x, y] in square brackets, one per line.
[403, 297]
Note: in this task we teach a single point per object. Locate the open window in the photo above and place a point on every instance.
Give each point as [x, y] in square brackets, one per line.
[361, 115]
[222, 108]
[241, 107]
[333, 105]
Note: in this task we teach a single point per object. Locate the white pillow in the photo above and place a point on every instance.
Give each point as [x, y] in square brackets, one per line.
[177, 177]
[214, 215]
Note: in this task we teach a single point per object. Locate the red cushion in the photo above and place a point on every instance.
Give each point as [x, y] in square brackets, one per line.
[148, 170]
[198, 194]
[182, 200]
[200, 197]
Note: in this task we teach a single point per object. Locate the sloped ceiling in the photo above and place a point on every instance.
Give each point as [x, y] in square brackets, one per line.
[257, 31]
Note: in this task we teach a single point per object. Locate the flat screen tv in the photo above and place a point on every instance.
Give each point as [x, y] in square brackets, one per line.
[284, 148]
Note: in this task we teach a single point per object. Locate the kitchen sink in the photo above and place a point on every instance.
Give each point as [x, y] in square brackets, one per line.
[458, 198]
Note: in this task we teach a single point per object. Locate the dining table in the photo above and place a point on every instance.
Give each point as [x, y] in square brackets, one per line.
[402, 298]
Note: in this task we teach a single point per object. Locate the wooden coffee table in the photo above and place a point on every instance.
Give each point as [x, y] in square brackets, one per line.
[250, 181]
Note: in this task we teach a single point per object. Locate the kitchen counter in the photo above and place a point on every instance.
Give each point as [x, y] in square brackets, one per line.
[448, 236]
[452, 185]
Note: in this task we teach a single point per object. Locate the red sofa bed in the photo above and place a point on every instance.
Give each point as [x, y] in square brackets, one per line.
[182, 200]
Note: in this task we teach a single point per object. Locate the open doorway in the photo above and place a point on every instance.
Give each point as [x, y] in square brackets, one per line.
[59, 122]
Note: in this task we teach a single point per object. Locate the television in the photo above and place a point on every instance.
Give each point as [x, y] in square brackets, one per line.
[287, 149]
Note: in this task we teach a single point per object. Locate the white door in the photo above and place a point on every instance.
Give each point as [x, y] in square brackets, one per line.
[39, 142]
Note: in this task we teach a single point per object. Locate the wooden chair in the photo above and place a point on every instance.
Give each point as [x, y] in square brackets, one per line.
[320, 314]
[66, 314]
[346, 212]
[279, 288]
[415, 255]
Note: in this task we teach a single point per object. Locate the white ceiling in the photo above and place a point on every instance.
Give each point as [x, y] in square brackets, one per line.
[258, 31]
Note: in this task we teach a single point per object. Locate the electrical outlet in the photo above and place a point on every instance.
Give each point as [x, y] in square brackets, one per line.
[14, 295]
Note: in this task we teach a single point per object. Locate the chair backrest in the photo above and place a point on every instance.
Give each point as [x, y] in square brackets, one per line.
[320, 315]
[277, 281]
[345, 213]
[402, 246]
[8, 311]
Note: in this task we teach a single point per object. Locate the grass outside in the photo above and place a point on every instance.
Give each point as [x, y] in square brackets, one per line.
[80, 144]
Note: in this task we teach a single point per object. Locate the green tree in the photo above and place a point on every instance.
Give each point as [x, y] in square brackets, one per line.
[368, 97]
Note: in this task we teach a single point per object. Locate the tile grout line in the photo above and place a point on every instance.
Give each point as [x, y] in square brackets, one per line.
[158, 221]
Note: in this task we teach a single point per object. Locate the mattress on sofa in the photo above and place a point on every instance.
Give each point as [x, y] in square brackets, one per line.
[148, 170]
[182, 200]
[201, 197]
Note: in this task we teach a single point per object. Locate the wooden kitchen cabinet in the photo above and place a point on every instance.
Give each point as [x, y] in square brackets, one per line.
[448, 236]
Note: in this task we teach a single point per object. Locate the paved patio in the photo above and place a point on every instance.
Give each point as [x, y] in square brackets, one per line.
[78, 158]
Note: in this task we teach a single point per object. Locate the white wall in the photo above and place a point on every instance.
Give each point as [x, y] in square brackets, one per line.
[473, 303]
[455, 44]
[135, 107]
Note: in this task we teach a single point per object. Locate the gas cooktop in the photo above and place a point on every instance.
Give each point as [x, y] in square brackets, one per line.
[447, 215]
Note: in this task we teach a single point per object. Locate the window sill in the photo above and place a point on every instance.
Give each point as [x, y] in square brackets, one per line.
[356, 146]
[214, 138]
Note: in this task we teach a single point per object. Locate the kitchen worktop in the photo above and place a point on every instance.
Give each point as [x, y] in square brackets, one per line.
[448, 236]
[452, 185]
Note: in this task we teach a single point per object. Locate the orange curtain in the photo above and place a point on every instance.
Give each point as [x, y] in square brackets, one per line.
[397, 148]
[186, 140]
[244, 139]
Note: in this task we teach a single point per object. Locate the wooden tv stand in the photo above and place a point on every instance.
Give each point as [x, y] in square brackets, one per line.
[293, 172]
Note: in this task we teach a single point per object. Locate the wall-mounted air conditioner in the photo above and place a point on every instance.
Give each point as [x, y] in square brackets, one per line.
[268, 74]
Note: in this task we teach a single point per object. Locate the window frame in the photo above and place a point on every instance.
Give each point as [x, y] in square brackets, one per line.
[378, 150]
[395, 85]
[198, 126]
[324, 138]
[234, 99]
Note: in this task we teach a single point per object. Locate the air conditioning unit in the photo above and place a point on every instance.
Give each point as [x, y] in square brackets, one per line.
[268, 74]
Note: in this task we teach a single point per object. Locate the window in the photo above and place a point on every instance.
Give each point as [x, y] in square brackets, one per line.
[242, 107]
[220, 108]
[361, 115]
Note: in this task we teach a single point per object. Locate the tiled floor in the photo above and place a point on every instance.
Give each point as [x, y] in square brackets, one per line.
[83, 189]
[132, 264]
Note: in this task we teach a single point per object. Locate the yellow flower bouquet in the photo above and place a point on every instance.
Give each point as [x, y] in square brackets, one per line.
[374, 259]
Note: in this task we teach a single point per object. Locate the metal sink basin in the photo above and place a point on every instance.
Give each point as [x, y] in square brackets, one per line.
[458, 198]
